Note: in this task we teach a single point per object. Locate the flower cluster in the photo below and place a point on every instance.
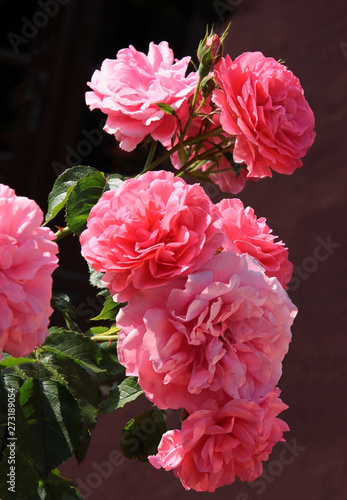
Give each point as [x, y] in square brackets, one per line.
[203, 319]
[230, 121]
[207, 320]
[207, 323]
[27, 261]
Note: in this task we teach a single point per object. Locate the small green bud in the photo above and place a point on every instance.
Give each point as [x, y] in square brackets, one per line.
[207, 86]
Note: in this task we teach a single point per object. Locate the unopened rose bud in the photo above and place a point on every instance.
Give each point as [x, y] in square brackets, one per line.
[210, 52]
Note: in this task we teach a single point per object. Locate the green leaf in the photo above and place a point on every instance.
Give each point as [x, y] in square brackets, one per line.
[10, 384]
[142, 434]
[83, 445]
[62, 188]
[49, 425]
[77, 380]
[111, 402]
[114, 181]
[56, 490]
[110, 362]
[96, 330]
[74, 345]
[120, 395]
[109, 311]
[11, 380]
[95, 278]
[83, 197]
[26, 478]
[61, 302]
[166, 108]
[129, 390]
[10, 361]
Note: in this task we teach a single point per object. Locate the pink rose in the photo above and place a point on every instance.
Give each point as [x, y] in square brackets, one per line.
[244, 233]
[263, 104]
[215, 446]
[220, 333]
[27, 261]
[149, 231]
[128, 88]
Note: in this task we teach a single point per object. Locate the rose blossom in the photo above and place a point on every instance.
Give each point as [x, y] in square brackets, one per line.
[149, 231]
[215, 446]
[244, 233]
[220, 333]
[27, 260]
[263, 104]
[128, 88]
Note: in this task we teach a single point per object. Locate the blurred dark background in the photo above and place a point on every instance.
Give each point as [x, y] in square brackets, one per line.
[48, 51]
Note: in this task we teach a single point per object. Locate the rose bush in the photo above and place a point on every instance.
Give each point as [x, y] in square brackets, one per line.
[27, 261]
[215, 446]
[194, 292]
[220, 333]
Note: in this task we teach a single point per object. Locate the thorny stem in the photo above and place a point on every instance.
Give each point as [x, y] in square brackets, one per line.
[62, 233]
[187, 142]
[194, 162]
[192, 113]
[104, 338]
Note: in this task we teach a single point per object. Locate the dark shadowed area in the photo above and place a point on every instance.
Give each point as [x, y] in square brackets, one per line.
[46, 127]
